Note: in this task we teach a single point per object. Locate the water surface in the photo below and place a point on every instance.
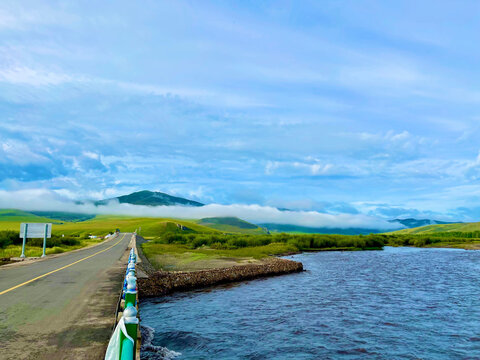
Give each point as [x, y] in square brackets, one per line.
[400, 303]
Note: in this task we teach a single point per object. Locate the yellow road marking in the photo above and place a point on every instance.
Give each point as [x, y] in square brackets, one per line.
[63, 267]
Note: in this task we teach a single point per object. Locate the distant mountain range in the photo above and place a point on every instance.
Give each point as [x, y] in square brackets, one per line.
[286, 228]
[156, 198]
[151, 198]
[413, 223]
[403, 223]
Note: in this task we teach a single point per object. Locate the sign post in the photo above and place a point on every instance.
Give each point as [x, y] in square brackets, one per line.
[24, 239]
[45, 239]
[35, 230]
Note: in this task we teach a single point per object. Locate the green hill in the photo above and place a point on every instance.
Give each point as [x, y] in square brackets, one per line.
[19, 216]
[103, 224]
[231, 225]
[432, 229]
[151, 198]
[64, 216]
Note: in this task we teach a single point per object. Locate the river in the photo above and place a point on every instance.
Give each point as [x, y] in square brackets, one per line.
[399, 303]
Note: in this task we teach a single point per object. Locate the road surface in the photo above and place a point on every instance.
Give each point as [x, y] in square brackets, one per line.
[62, 307]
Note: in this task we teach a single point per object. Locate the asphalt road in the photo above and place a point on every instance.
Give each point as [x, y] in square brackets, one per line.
[67, 311]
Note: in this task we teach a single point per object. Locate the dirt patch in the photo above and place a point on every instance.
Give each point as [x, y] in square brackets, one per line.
[144, 264]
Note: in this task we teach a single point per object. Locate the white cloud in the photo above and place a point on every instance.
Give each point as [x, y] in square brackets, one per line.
[23, 75]
[17, 152]
[40, 199]
[21, 17]
[312, 167]
[391, 74]
[91, 155]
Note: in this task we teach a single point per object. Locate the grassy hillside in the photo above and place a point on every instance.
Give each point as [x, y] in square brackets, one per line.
[10, 219]
[77, 232]
[103, 224]
[64, 216]
[231, 225]
[431, 229]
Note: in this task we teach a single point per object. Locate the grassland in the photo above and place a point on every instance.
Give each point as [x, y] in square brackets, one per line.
[179, 257]
[218, 242]
[182, 252]
[197, 251]
[452, 239]
[457, 235]
[102, 225]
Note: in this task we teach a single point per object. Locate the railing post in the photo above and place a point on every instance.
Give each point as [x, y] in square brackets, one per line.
[131, 291]
[131, 324]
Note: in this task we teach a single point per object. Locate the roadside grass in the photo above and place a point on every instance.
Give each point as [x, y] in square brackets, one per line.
[35, 251]
[179, 257]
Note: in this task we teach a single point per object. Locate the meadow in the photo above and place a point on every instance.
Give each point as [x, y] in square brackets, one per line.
[212, 242]
[195, 251]
[101, 225]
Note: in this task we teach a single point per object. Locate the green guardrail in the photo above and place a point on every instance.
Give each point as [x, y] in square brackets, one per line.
[122, 345]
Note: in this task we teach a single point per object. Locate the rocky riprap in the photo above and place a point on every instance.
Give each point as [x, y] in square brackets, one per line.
[163, 282]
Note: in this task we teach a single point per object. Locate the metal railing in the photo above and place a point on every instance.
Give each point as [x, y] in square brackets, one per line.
[122, 345]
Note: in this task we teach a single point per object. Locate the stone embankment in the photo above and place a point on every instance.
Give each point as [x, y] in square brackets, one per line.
[162, 282]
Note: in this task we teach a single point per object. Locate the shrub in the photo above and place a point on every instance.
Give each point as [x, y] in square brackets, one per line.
[9, 237]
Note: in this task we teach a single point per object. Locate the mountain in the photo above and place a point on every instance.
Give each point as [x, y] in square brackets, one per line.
[151, 198]
[296, 229]
[402, 224]
[413, 223]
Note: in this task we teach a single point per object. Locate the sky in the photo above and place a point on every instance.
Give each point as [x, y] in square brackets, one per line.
[355, 109]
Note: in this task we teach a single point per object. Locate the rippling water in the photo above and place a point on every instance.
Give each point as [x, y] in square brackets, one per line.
[400, 303]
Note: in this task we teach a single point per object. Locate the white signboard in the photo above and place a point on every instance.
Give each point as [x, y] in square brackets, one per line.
[36, 230]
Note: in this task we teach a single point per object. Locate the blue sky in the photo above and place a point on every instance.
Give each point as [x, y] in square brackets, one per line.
[354, 107]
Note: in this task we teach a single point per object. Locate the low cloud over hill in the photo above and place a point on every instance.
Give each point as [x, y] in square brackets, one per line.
[39, 199]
